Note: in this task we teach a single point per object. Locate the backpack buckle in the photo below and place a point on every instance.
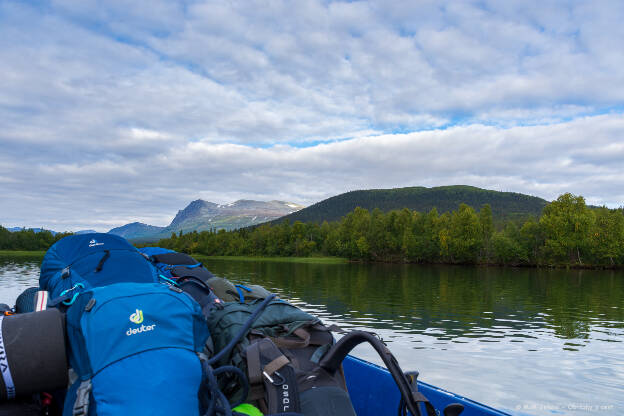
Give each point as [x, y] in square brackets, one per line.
[279, 382]
[81, 405]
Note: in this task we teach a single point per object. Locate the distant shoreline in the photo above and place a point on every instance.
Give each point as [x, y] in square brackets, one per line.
[342, 260]
[23, 253]
[314, 260]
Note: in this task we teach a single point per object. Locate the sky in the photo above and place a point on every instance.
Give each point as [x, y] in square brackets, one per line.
[121, 111]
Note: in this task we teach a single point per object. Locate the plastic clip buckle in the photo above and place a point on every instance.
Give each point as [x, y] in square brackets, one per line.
[81, 405]
[279, 382]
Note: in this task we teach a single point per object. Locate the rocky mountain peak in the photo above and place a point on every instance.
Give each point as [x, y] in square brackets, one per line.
[196, 208]
[200, 215]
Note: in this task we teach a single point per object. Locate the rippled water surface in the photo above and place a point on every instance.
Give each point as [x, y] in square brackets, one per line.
[522, 340]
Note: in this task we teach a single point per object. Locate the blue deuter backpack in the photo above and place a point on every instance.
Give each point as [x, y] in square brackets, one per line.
[84, 261]
[135, 349]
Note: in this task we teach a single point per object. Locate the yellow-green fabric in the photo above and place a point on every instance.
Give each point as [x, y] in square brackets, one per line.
[248, 409]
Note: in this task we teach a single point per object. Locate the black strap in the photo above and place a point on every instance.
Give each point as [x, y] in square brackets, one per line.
[256, 313]
[336, 355]
[200, 291]
[272, 378]
[302, 341]
[336, 328]
[174, 259]
[102, 260]
[194, 279]
[254, 370]
[184, 270]
[212, 398]
[419, 398]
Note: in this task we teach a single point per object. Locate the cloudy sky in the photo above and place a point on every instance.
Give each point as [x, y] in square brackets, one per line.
[121, 111]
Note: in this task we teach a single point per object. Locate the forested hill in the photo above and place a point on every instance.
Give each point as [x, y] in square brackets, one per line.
[505, 205]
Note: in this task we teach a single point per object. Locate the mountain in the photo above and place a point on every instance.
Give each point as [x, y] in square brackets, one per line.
[202, 215]
[35, 230]
[505, 205]
[137, 230]
[38, 230]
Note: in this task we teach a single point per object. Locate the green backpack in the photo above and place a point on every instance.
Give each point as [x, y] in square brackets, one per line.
[280, 354]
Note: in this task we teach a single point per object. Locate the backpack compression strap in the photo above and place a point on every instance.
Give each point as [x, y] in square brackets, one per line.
[174, 259]
[270, 372]
[333, 360]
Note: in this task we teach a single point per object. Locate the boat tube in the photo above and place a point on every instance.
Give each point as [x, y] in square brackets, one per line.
[32, 353]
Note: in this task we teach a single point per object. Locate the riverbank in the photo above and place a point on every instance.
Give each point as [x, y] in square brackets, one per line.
[22, 253]
[308, 260]
[342, 260]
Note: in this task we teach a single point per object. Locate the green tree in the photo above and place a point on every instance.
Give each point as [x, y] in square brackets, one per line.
[532, 240]
[464, 236]
[607, 236]
[567, 223]
[507, 246]
[486, 229]
[429, 240]
[363, 248]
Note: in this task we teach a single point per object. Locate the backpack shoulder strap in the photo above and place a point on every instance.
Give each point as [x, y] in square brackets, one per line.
[79, 358]
[333, 360]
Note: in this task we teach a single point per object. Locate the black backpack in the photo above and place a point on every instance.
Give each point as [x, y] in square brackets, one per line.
[181, 267]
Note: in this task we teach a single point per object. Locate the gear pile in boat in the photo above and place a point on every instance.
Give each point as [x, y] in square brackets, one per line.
[114, 330]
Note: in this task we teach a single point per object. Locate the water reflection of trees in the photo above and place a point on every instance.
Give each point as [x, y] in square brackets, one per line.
[457, 301]
[461, 301]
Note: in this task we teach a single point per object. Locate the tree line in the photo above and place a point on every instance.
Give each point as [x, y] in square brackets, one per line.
[568, 233]
[28, 239]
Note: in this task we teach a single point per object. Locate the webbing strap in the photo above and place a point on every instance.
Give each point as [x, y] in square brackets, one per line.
[431, 411]
[276, 364]
[266, 349]
[254, 369]
[319, 353]
[102, 260]
[4, 366]
[256, 313]
[241, 295]
[81, 405]
[41, 300]
[336, 328]
[277, 377]
[302, 342]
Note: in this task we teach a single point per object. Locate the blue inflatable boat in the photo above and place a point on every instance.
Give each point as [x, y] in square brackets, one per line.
[372, 389]
[374, 393]
[81, 274]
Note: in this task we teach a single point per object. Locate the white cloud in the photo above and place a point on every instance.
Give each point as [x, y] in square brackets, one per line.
[544, 160]
[140, 107]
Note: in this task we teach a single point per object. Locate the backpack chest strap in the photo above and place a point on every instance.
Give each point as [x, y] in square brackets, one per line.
[83, 394]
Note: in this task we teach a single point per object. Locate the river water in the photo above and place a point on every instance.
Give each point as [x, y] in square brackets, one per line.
[526, 341]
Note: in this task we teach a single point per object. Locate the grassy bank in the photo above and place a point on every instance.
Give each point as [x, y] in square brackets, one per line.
[314, 260]
[21, 253]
